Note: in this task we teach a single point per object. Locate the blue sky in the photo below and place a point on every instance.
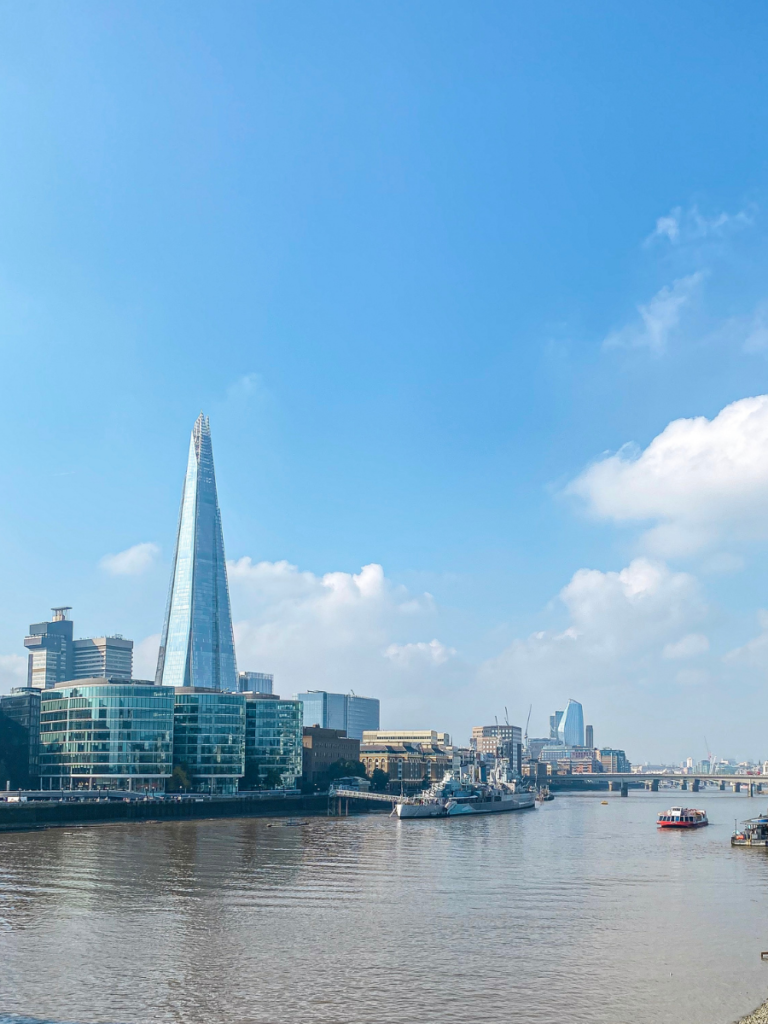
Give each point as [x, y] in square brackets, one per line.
[422, 264]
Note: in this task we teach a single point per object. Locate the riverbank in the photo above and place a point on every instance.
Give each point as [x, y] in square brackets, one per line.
[42, 815]
[760, 1015]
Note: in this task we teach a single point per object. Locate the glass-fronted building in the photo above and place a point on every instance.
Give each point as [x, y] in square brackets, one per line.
[255, 682]
[570, 729]
[209, 737]
[273, 742]
[22, 706]
[106, 734]
[347, 711]
[197, 646]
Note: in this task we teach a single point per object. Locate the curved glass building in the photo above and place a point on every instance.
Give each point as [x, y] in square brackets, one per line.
[106, 734]
[570, 730]
[197, 646]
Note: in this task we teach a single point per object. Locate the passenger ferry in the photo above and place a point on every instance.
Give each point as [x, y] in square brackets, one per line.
[682, 817]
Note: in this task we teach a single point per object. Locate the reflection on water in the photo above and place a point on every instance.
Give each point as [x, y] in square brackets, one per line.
[576, 912]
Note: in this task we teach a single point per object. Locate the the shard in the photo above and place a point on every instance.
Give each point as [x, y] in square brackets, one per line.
[197, 646]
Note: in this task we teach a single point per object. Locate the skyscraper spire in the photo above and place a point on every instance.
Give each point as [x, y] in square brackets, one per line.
[197, 646]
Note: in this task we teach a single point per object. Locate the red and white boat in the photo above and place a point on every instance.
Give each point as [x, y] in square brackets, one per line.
[682, 817]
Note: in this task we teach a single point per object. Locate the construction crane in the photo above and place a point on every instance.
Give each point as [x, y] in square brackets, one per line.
[528, 722]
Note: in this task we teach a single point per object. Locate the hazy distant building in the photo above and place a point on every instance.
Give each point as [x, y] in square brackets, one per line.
[254, 682]
[197, 647]
[346, 711]
[589, 736]
[614, 760]
[407, 736]
[55, 657]
[535, 743]
[554, 724]
[499, 741]
[570, 729]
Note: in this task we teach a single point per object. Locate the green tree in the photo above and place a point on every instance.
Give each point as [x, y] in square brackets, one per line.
[342, 769]
[179, 780]
[379, 780]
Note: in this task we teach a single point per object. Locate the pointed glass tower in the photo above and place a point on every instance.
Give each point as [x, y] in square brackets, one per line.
[197, 646]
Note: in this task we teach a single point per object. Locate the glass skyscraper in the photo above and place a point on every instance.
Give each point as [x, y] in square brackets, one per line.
[570, 729]
[340, 711]
[197, 646]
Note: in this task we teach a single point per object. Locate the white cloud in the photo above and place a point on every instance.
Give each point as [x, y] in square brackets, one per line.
[145, 657]
[429, 654]
[702, 481]
[340, 631]
[13, 671]
[681, 227]
[754, 654]
[132, 562]
[687, 647]
[658, 318]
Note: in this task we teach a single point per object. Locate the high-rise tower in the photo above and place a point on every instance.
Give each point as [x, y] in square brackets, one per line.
[570, 730]
[197, 646]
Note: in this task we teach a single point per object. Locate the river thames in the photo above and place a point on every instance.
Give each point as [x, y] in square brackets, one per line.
[578, 911]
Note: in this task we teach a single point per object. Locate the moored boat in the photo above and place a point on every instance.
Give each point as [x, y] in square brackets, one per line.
[682, 817]
[454, 797]
[754, 832]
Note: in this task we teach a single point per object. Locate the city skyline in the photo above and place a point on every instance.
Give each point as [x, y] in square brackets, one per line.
[485, 361]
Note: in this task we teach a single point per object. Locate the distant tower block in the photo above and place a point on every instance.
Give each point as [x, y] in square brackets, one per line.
[589, 736]
[197, 646]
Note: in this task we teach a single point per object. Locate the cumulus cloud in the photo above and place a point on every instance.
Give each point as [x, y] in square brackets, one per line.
[682, 227]
[13, 671]
[658, 318]
[702, 481]
[409, 655]
[687, 647]
[132, 562]
[340, 631]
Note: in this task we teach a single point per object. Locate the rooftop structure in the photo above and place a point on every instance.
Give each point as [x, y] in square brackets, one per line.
[407, 736]
[55, 657]
[197, 646]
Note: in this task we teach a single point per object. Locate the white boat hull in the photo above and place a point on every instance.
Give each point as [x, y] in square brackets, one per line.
[456, 809]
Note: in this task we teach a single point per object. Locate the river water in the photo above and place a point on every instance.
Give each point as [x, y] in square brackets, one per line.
[578, 911]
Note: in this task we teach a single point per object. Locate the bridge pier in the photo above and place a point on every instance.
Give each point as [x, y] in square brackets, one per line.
[613, 786]
[722, 787]
[751, 789]
[736, 787]
[684, 784]
[695, 785]
[624, 789]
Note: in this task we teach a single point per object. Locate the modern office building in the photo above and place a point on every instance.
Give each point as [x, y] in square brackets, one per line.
[273, 742]
[429, 736]
[499, 741]
[106, 734]
[324, 747]
[21, 708]
[554, 724]
[570, 729]
[197, 647]
[102, 657]
[346, 711]
[589, 736]
[50, 650]
[254, 682]
[535, 743]
[209, 737]
[614, 760]
[55, 657]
